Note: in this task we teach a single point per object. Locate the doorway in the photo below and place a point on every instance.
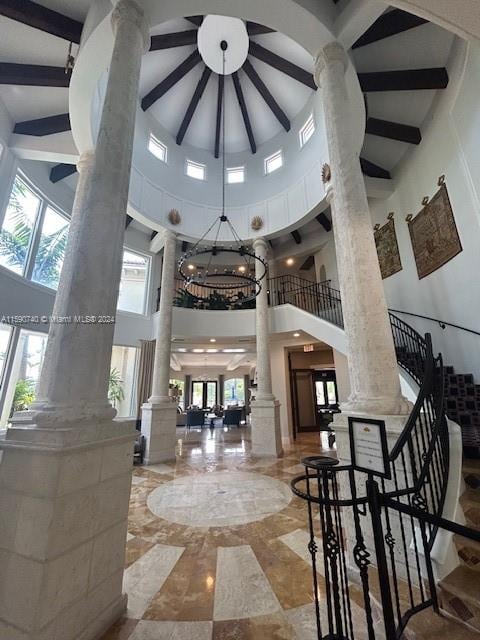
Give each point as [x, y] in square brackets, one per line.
[204, 394]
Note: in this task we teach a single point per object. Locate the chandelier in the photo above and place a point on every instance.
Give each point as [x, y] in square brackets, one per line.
[213, 279]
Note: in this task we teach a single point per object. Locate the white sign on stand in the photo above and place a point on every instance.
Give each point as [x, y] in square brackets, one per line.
[368, 446]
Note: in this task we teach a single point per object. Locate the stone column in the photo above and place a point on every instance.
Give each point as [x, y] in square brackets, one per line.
[159, 413]
[65, 474]
[266, 435]
[374, 379]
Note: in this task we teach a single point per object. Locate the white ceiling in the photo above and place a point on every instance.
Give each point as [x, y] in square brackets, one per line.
[170, 109]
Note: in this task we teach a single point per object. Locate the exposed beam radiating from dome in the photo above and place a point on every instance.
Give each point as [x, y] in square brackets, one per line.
[393, 131]
[324, 220]
[405, 80]
[373, 170]
[244, 110]
[175, 76]
[266, 95]
[197, 20]
[39, 17]
[33, 75]
[44, 126]
[255, 29]
[279, 63]
[218, 124]
[296, 236]
[389, 24]
[197, 95]
[171, 40]
[61, 171]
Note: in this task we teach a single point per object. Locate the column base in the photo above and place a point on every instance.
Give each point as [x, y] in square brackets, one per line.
[266, 433]
[63, 528]
[159, 426]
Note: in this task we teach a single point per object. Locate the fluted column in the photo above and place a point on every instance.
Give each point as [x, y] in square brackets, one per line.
[374, 380]
[74, 379]
[266, 434]
[159, 413]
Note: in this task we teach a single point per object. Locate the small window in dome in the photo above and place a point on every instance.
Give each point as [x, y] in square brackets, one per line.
[274, 162]
[158, 149]
[235, 175]
[196, 170]
[307, 131]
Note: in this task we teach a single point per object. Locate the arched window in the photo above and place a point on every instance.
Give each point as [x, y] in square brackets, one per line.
[233, 391]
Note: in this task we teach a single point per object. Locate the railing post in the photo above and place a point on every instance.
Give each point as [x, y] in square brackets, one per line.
[373, 495]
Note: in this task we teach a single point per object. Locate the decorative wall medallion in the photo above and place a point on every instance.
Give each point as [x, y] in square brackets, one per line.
[257, 223]
[326, 173]
[174, 216]
[434, 234]
[387, 249]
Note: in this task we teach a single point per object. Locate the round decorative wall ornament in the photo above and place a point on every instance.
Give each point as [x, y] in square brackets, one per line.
[257, 223]
[326, 173]
[174, 217]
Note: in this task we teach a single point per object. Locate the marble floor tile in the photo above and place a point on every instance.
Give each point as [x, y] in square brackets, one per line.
[162, 469]
[146, 576]
[136, 480]
[241, 589]
[129, 537]
[219, 499]
[149, 630]
[298, 541]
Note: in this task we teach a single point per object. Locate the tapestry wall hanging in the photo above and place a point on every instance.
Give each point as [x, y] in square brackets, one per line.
[387, 249]
[434, 234]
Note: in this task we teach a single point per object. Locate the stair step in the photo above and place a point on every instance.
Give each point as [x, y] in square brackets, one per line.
[459, 596]
[468, 552]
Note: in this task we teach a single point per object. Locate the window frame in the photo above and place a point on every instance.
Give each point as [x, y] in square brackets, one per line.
[198, 165]
[146, 297]
[231, 170]
[152, 139]
[309, 123]
[269, 159]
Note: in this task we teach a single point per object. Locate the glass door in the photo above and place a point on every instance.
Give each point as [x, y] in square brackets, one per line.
[204, 394]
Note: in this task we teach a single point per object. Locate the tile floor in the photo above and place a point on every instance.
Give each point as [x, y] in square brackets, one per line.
[216, 546]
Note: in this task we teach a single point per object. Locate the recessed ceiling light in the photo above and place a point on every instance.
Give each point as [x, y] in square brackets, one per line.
[198, 350]
[296, 335]
[212, 340]
[191, 267]
[242, 269]
[212, 350]
[234, 350]
[290, 261]
[181, 350]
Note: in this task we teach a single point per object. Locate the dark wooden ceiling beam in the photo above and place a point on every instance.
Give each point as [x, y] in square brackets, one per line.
[373, 170]
[389, 24]
[184, 246]
[218, 123]
[279, 63]
[171, 40]
[44, 126]
[39, 17]
[197, 20]
[393, 131]
[128, 221]
[33, 75]
[324, 220]
[266, 95]
[197, 95]
[255, 29]
[408, 80]
[175, 76]
[296, 236]
[153, 235]
[308, 264]
[61, 171]
[244, 110]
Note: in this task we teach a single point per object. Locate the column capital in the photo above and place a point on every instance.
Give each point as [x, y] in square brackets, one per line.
[331, 53]
[260, 243]
[130, 12]
[86, 160]
[329, 192]
[169, 236]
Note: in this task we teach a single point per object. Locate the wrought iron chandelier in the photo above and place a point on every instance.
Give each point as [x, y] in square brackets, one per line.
[235, 285]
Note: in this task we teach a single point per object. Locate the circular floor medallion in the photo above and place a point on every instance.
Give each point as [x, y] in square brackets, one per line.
[220, 499]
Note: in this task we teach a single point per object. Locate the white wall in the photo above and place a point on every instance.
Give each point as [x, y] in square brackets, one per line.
[450, 146]
[327, 257]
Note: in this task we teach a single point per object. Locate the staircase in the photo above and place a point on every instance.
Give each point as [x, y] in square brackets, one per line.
[459, 592]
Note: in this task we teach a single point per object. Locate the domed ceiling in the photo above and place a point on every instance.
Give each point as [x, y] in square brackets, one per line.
[183, 89]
